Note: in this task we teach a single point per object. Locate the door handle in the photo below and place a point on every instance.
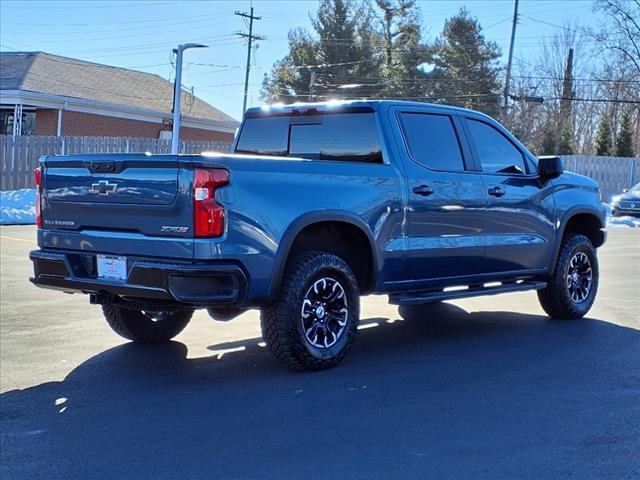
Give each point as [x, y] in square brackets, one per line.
[496, 191]
[424, 190]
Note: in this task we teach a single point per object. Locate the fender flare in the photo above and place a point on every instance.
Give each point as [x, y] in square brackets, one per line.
[566, 217]
[310, 218]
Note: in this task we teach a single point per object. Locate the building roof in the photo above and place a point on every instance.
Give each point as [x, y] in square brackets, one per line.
[48, 74]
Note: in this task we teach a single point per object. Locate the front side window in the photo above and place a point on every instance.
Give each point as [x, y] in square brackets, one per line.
[496, 152]
[432, 141]
[348, 137]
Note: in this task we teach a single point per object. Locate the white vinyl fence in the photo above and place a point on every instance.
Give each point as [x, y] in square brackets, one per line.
[19, 155]
[612, 173]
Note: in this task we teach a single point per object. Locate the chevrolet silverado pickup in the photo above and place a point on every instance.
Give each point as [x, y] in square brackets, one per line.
[316, 205]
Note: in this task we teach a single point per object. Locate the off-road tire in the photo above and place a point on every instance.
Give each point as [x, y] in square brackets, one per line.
[281, 320]
[136, 326]
[555, 299]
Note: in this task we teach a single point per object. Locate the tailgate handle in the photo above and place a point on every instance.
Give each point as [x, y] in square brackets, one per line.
[103, 167]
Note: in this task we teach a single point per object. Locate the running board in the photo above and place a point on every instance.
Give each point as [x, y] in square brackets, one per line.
[417, 298]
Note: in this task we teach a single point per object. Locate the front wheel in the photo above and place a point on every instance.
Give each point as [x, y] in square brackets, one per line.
[572, 288]
[313, 321]
[145, 326]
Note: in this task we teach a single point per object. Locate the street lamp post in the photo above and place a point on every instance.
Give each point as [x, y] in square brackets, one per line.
[175, 136]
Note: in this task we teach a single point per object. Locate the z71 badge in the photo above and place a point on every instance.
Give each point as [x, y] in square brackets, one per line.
[171, 229]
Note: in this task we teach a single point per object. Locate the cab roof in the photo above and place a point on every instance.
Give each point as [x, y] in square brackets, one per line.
[337, 105]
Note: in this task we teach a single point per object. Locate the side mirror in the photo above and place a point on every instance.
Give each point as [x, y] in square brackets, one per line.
[550, 167]
[625, 190]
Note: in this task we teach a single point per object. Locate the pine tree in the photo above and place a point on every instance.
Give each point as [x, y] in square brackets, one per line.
[287, 82]
[548, 144]
[603, 137]
[466, 70]
[402, 48]
[342, 51]
[337, 25]
[565, 145]
[624, 140]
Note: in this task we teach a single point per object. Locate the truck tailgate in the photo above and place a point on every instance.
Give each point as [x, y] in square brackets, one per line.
[133, 204]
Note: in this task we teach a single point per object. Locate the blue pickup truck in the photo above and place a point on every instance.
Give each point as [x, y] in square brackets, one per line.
[317, 205]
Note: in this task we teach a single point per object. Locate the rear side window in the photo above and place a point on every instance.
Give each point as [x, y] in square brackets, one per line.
[264, 136]
[496, 152]
[432, 141]
[349, 137]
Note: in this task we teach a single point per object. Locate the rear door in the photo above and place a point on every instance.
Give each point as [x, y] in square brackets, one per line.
[520, 209]
[133, 204]
[446, 196]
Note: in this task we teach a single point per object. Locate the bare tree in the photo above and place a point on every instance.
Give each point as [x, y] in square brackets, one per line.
[622, 31]
[620, 34]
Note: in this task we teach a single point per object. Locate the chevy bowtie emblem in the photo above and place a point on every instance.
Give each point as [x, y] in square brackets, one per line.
[103, 187]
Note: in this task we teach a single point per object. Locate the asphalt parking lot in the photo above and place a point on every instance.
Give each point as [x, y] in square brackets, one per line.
[480, 388]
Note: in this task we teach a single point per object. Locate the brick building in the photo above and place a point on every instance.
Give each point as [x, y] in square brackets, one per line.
[54, 95]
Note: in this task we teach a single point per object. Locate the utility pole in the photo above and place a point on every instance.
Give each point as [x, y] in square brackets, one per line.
[505, 100]
[177, 89]
[312, 82]
[567, 90]
[250, 37]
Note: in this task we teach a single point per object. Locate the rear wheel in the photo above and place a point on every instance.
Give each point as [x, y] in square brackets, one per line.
[146, 326]
[313, 321]
[571, 290]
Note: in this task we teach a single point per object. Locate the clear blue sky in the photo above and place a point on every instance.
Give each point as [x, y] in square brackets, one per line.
[141, 34]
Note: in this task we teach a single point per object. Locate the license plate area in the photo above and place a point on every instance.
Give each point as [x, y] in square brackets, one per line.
[112, 267]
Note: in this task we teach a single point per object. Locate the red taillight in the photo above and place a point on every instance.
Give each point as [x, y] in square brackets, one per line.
[37, 177]
[208, 215]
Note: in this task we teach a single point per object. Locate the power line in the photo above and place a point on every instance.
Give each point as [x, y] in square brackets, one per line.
[360, 78]
[163, 22]
[189, 26]
[568, 29]
[595, 80]
[50, 5]
[295, 67]
[148, 46]
[596, 100]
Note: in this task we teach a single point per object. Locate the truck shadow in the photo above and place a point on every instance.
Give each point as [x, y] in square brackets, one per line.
[443, 393]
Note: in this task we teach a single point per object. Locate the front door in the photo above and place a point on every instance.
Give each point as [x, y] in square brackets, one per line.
[446, 197]
[520, 209]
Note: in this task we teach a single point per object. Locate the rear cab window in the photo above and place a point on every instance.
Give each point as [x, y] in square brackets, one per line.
[344, 137]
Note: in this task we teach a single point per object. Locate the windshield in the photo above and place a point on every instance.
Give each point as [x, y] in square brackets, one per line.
[636, 188]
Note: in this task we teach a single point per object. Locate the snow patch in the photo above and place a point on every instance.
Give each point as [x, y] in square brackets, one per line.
[632, 222]
[18, 207]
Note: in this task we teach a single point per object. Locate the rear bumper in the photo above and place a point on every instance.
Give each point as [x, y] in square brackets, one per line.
[222, 284]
